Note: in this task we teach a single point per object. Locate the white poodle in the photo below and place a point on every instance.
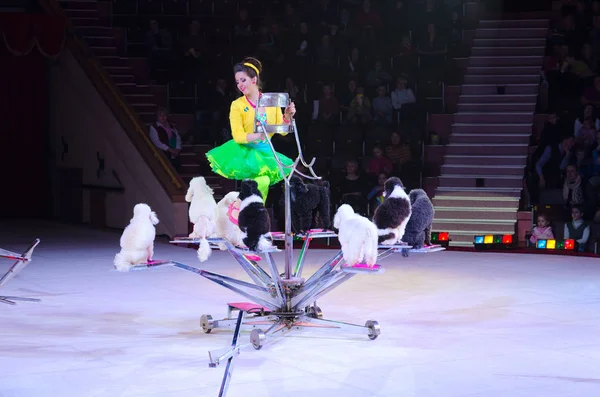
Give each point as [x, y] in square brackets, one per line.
[203, 214]
[357, 236]
[225, 228]
[137, 241]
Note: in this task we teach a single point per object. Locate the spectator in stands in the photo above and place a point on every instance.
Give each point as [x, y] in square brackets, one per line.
[382, 106]
[346, 94]
[377, 76]
[573, 188]
[375, 196]
[553, 162]
[583, 162]
[455, 34]
[325, 59]
[360, 108]
[404, 60]
[431, 50]
[590, 60]
[290, 20]
[577, 229]
[591, 95]
[354, 67]
[160, 46]
[329, 108]
[552, 131]
[352, 188]
[368, 19]
[399, 153]
[302, 50]
[542, 231]
[165, 136]
[193, 47]
[402, 95]
[243, 31]
[399, 19]
[379, 163]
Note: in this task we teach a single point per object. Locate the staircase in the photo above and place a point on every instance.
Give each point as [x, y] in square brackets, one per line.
[481, 178]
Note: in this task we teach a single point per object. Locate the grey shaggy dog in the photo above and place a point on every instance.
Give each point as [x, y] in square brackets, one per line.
[418, 228]
[307, 200]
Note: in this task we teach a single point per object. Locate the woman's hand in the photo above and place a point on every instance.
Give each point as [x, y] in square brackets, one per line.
[290, 111]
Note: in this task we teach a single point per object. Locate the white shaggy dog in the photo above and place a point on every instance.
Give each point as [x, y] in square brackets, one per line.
[137, 241]
[357, 236]
[203, 214]
[225, 228]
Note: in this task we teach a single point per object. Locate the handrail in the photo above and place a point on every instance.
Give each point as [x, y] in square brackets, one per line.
[170, 179]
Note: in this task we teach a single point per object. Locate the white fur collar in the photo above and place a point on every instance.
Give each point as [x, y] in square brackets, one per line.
[249, 200]
[398, 192]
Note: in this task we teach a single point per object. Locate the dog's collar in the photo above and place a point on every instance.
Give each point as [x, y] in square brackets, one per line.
[230, 210]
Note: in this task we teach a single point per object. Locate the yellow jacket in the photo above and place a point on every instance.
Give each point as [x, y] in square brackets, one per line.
[241, 118]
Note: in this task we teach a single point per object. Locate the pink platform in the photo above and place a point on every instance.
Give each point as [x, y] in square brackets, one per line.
[248, 307]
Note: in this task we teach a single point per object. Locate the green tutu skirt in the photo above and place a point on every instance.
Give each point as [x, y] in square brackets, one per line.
[247, 161]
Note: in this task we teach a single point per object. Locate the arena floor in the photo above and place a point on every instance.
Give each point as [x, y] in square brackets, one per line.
[452, 324]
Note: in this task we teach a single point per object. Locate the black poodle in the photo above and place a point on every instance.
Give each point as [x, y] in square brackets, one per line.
[392, 215]
[308, 199]
[254, 220]
[418, 228]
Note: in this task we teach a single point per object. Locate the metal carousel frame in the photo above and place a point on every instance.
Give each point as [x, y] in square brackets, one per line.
[22, 260]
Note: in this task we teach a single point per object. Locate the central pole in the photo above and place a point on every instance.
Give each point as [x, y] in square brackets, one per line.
[289, 239]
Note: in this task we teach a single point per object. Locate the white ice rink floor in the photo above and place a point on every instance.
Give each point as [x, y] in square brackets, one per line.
[452, 324]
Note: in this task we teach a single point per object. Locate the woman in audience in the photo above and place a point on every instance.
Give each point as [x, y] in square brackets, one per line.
[352, 188]
[165, 136]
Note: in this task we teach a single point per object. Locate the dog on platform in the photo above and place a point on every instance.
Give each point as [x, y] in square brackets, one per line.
[202, 213]
[310, 203]
[226, 226]
[357, 236]
[137, 240]
[393, 214]
[254, 220]
[418, 228]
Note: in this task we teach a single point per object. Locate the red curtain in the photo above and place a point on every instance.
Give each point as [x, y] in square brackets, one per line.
[28, 40]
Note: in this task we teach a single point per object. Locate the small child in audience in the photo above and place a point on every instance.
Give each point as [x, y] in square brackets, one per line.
[543, 230]
[577, 229]
[379, 163]
[375, 196]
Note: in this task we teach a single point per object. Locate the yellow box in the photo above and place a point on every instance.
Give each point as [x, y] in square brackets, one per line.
[488, 239]
[551, 244]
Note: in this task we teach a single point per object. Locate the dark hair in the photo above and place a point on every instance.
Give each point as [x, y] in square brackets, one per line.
[582, 114]
[240, 67]
[162, 110]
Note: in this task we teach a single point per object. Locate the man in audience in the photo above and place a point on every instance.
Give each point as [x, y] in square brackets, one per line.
[165, 137]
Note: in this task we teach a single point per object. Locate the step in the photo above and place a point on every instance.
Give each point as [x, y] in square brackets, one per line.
[474, 227]
[113, 61]
[85, 22]
[100, 41]
[501, 79]
[119, 70]
[503, 70]
[510, 33]
[78, 5]
[500, 118]
[514, 23]
[507, 51]
[519, 160]
[104, 51]
[141, 108]
[479, 204]
[140, 98]
[529, 60]
[492, 89]
[82, 12]
[480, 193]
[491, 181]
[134, 89]
[475, 107]
[498, 99]
[483, 150]
[490, 139]
[510, 42]
[491, 128]
[504, 214]
[191, 169]
[94, 31]
[479, 169]
[122, 79]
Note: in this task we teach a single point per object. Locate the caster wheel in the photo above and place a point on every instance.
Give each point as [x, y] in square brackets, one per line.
[314, 312]
[374, 329]
[207, 323]
[257, 338]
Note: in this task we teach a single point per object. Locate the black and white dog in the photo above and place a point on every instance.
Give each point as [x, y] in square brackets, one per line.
[393, 214]
[254, 220]
[307, 200]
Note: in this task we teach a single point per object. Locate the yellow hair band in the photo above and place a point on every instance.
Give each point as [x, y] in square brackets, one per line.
[251, 66]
